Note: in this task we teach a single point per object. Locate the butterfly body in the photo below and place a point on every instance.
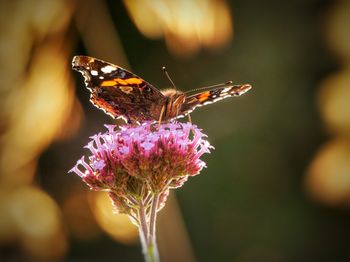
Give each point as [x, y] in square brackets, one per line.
[122, 94]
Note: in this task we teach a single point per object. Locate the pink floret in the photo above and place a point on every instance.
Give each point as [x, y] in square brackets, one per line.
[161, 156]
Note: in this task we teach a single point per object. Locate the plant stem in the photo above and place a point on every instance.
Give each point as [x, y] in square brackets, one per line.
[147, 230]
[153, 217]
[152, 244]
[143, 229]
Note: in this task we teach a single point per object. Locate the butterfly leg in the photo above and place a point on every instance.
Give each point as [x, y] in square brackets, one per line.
[189, 118]
[161, 115]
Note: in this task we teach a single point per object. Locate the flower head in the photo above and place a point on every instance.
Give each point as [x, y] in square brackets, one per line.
[135, 161]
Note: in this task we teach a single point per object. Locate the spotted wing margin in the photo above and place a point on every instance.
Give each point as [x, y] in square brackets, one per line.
[117, 91]
[212, 96]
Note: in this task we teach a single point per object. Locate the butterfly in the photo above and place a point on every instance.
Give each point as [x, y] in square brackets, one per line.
[122, 94]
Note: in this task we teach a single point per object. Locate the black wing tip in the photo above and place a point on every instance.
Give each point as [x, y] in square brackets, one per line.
[246, 87]
[243, 89]
[238, 90]
[80, 61]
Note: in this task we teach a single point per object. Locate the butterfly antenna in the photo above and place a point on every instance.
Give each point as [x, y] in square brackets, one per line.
[226, 84]
[168, 76]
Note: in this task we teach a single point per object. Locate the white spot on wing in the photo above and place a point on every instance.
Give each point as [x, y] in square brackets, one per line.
[218, 99]
[226, 90]
[94, 72]
[107, 69]
[207, 103]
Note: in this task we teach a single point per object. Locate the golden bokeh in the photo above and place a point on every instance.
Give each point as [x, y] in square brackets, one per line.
[186, 26]
[32, 219]
[337, 30]
[40, 117]
[8, 230]
[328, 178]
[333, 97]
[117, 226]
[79, 218]
[37, 101]
[34, 212]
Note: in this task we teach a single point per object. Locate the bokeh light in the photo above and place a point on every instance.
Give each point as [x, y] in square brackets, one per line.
[328, 178]
[79, 218]
[118, 226]
[333, 99]
[186, 25]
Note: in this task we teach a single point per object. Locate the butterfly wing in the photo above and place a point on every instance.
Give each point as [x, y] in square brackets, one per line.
[119, 92]
[211, 96]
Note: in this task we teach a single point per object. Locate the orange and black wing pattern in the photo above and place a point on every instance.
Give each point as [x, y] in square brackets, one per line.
[211, 96]
[119, 92]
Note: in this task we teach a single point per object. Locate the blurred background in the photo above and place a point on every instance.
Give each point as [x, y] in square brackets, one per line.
[277, 186]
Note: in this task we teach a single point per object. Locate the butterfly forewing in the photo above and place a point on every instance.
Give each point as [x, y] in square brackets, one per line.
[212, 96]
[117, 91]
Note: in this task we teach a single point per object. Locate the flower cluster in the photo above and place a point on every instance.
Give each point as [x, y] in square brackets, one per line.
[133, 163]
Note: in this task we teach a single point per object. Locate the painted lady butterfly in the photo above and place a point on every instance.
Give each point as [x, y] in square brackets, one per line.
[120, 93]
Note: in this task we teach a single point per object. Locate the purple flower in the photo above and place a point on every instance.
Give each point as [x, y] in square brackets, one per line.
[135, 161]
